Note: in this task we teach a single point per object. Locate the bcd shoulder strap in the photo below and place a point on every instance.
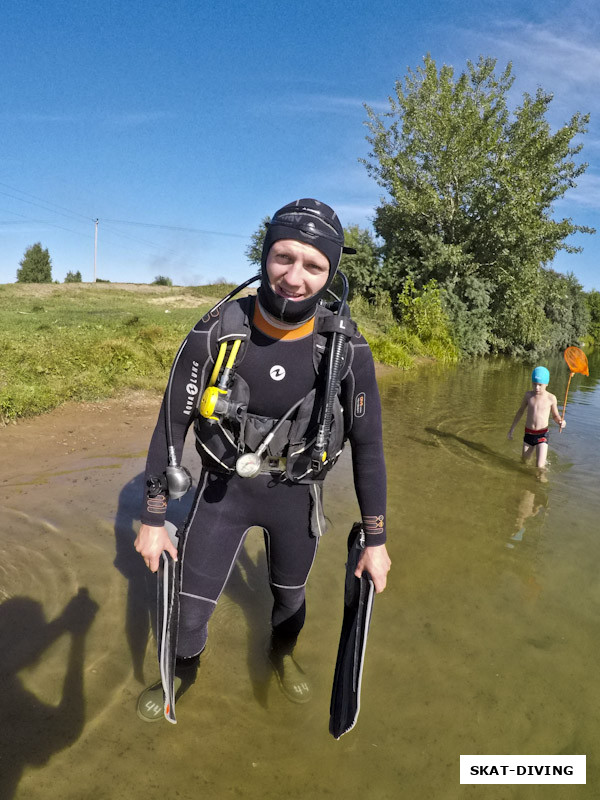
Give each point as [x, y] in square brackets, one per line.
[235, 323]
[327, 323]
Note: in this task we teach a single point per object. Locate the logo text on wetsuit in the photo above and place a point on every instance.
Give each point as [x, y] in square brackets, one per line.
[359, 405]
[277, 373]
[192, 389]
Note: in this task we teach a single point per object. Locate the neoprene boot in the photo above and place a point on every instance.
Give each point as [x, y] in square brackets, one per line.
[150, 702]
[292, 679]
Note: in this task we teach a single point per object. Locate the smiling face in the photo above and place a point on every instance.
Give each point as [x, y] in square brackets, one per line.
[296, 270]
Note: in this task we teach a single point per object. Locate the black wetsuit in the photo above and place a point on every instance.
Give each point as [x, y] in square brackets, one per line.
[278, 372]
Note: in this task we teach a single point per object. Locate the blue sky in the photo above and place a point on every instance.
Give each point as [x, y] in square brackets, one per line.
[196, 119]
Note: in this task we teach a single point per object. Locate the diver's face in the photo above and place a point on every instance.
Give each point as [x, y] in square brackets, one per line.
[296, 270]
[539, 388]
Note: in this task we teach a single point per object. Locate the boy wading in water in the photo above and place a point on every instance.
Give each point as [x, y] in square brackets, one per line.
[539, 404]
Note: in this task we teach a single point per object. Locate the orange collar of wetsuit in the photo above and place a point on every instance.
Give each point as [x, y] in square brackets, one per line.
[287, 334]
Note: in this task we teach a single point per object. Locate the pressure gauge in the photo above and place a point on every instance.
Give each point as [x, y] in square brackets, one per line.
[248, 465]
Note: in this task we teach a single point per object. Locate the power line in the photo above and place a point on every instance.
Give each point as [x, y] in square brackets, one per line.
[133, 238]
[29, 221]
[114, 221]
[41, 199]
[176, 228]
[74, 215]
[31, 203]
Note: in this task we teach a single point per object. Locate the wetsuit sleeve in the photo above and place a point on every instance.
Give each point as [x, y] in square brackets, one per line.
[362, 402]
[187, 380]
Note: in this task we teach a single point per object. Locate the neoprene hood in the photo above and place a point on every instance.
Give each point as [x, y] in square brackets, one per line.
[313, 223]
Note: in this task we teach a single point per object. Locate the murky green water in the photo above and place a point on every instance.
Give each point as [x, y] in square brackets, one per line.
[486, 640]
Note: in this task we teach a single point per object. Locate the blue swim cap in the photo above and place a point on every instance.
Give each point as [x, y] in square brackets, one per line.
[540, 375]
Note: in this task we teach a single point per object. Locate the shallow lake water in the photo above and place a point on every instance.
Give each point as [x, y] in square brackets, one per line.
[486, 640]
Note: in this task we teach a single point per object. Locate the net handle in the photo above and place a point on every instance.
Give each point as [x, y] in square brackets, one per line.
[562, 419]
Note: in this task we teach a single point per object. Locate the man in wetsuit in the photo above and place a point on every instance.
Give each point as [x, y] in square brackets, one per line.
[301, 254]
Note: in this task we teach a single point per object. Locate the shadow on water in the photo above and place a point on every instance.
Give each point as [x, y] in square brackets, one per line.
[247, 587]
[508, 462]
[33, 731]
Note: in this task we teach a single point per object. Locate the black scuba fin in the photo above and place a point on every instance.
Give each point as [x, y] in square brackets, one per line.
[167, 625]
[358, 604]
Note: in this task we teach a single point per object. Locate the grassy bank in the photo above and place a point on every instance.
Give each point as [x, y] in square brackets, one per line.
[402, 345]
[88, 341]
[80, 341]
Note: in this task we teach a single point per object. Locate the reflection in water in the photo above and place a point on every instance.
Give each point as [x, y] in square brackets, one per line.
[32, 731]
[530, 505]
[526, 540]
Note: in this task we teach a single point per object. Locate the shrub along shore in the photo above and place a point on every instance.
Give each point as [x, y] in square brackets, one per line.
[86, 342]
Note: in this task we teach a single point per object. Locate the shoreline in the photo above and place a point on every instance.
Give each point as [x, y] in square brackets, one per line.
[126, 399]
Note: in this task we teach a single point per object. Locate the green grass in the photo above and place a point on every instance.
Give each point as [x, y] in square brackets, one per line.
[395, 344]
[88, 342]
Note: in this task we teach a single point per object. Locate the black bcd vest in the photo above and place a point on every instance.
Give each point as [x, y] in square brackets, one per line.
[220, 443]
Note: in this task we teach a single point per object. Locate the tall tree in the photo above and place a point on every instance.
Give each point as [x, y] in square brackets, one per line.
[472, 187]
[35, 266]
[254, 249]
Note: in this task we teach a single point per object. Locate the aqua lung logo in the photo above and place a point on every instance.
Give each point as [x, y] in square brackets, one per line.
[192, 390]
[277, 373]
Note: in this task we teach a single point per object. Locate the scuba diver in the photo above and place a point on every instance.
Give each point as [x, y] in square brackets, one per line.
[273, 384]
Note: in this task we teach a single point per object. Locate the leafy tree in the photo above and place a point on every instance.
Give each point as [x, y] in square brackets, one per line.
[254, 249]
[466, 300]
[592, 300]
[472, 187]
[422, 312]
[362, 269]
[162, 280]
[566, 312]
[73, 277]
[35, 266]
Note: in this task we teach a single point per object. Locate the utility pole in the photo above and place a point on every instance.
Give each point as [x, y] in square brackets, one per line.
[95, 248]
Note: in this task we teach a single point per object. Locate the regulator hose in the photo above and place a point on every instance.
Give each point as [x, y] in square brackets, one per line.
[336, 360]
